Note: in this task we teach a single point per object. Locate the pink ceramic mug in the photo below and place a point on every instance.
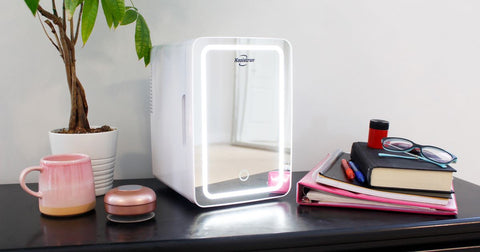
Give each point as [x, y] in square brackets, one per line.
[65, 185]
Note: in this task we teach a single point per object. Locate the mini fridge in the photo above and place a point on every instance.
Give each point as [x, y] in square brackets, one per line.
[221, 118]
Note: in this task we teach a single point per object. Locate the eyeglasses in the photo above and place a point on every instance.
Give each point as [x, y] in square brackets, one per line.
[427, 153]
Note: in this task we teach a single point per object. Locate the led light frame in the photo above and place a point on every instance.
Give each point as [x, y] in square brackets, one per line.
[281, 117]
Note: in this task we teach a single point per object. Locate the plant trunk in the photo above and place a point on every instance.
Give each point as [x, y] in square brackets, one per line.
[65, 45]
[78, 122]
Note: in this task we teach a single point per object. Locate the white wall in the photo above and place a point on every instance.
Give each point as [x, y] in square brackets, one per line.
[414, 63]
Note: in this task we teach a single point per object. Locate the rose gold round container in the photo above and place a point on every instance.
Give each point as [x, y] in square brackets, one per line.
[130, 200]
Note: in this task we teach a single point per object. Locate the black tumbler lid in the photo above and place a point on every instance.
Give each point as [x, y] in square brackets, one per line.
[379, 124]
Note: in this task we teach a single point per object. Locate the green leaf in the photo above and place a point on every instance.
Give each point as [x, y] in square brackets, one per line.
[89, 15]
[118, 11]
[114, 11]
[143, 43]
[130, 17]
[32, 5]
[107, 13]
[146, 57]
[70, 6]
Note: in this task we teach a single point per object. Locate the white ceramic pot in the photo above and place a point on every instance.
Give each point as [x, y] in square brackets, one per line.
[101, 147]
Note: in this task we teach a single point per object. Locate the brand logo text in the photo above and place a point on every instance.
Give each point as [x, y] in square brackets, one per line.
[243, 60]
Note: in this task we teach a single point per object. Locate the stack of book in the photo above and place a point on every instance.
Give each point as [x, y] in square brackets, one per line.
[391, 184]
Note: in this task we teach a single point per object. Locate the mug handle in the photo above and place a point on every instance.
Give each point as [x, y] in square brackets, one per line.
[22, 180]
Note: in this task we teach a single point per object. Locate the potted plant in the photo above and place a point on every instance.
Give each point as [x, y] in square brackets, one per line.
[63, 25]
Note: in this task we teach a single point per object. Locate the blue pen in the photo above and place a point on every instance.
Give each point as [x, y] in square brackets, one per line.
[358, 173]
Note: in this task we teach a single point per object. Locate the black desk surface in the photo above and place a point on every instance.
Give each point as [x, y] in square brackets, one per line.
[275, 224]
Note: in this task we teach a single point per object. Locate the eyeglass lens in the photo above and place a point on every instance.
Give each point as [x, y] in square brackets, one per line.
[397, 144]
[436, 154]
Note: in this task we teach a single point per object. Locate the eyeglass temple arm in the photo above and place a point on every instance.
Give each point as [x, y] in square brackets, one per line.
[399, 156]
[410, 157]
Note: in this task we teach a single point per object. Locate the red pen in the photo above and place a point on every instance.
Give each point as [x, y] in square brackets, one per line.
[348, 170]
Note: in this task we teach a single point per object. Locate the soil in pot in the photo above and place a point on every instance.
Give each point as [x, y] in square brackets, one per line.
[104, 128]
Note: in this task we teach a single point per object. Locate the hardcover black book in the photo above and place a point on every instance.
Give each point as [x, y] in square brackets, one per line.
[392, 172]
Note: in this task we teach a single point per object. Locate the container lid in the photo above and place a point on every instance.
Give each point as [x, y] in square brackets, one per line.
[379, 124]
[130, 195]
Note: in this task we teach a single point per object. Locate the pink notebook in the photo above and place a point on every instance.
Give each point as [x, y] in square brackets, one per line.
[335, 197]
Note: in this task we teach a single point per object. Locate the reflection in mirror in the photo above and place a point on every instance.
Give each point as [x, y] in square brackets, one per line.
[243, 104]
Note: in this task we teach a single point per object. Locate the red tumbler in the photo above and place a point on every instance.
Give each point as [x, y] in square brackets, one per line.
[378, 130]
